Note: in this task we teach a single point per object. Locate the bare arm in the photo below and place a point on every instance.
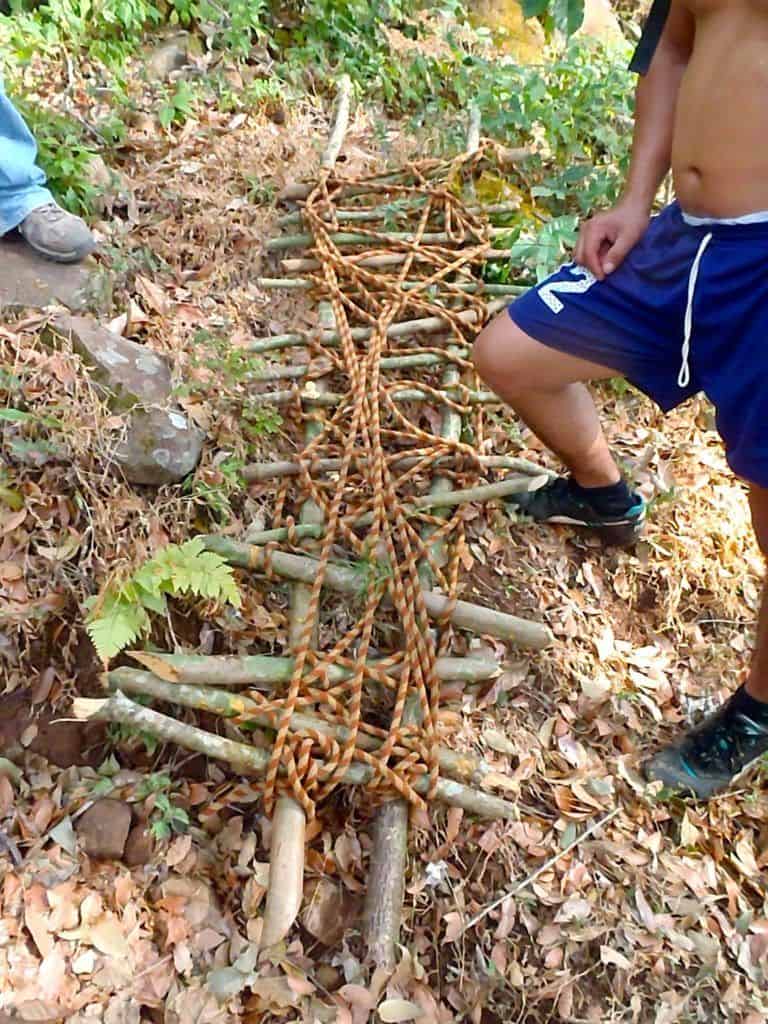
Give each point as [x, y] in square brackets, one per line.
[605, 240]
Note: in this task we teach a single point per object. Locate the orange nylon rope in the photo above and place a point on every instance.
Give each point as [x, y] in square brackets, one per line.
[368, 431]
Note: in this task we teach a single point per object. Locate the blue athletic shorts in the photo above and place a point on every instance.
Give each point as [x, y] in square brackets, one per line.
[687, 311]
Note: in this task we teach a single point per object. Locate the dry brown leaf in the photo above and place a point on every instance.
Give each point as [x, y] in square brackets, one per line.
[360, 1002]
[328, 911]
[393, 1011]
[613, 957]
[348, 852]
[152, 294]
[107, 936]
[454, 922]
[36, 919]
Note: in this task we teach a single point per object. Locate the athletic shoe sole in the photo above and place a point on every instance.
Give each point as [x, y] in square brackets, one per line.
[685, 785]
[73, 256]
[622, 534]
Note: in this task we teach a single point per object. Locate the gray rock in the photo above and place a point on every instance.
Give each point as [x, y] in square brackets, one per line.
[168, 57]
[29, 281]
[161, 447]
[132, 373]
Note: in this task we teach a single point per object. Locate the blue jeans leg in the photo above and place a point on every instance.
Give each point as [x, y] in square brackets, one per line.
[22, 183]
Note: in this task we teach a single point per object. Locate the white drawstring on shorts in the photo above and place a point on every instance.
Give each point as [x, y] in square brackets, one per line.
[684, 378]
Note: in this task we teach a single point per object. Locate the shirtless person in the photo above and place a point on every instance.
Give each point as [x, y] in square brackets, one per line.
[678, 304]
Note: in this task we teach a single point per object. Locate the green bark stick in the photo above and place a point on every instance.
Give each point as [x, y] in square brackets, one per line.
[297, 265]
[351, 580]
[303, 284]
[423, 325]
[342, 238]
[441, 497]
[260, 671]
[252, 761]
[281, 372]
[391, 210]
[455, 764]
[329, 398]
[258, 471]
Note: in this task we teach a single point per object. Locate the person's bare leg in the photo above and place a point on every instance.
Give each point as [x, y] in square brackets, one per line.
[757, 684]
[545, 389]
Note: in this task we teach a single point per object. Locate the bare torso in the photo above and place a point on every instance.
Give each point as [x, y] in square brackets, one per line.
[720, 151]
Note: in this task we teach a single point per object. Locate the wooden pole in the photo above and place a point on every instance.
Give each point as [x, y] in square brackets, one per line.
[454, 764]
[253, 761]
[286, 854]
[375, 213]
[315, 397]
[423, 325]
[295, 265]
[262, 672]
[268, 470]
[343, 238]
[437, 498]
[348, 580]
[304, 284]
[389, 854]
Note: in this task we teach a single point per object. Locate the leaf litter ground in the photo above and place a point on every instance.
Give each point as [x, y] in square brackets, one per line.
[659, 917]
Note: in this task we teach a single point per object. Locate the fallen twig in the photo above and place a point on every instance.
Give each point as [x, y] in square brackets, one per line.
[539, 871]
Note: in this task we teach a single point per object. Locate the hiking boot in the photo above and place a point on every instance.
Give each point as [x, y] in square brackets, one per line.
[706, 760]
[561, 501]
[56, 234]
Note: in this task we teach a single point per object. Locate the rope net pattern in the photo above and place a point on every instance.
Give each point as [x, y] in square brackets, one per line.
[400, 550]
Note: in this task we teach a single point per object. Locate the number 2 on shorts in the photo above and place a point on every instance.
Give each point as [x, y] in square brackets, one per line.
[548, 293]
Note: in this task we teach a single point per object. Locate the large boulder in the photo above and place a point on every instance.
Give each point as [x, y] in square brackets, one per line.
[160, 445]
[131, 373]
[29, 281]
[513, 34]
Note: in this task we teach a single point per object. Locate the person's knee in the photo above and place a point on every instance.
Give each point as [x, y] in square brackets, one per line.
[495, 353]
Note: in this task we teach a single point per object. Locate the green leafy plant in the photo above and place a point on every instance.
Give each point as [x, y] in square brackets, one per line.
[167, 817]
[64, 153]
[214, 490]
[122, 612]
[228, 372]
[566, 16]
[179, 105]
[106, 772]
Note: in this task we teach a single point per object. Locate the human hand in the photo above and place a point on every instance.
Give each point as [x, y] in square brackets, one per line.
[607, 238]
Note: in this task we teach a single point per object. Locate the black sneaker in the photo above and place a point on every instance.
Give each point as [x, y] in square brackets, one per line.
[710, 757]
[559, 502]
